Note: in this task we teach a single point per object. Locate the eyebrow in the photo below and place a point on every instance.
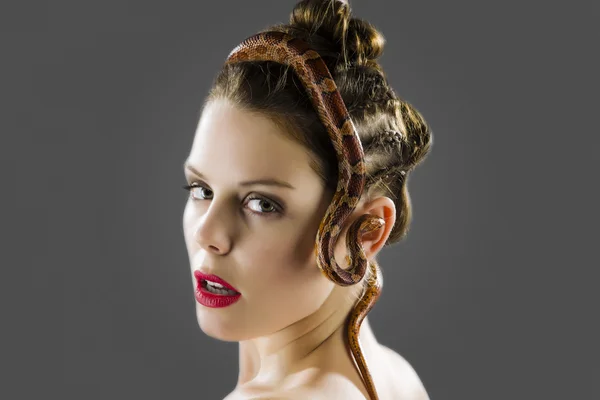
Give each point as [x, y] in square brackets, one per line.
[264, 181]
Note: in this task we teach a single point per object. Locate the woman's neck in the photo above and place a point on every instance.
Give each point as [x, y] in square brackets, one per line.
[311, 342]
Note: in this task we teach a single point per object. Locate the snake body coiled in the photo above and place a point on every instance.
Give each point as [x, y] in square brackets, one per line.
[327, 101]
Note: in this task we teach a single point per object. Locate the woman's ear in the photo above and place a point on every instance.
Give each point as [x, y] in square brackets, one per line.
[372, 242]
[384, 208]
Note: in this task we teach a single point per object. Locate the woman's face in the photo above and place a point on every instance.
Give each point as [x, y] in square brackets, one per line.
[259, 238]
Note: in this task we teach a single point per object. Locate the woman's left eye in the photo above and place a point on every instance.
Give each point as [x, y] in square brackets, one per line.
[271, 207]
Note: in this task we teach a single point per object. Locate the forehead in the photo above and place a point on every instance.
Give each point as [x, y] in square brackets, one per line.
[232, 141]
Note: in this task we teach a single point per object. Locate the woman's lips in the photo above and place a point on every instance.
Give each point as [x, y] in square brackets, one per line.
[213, 300]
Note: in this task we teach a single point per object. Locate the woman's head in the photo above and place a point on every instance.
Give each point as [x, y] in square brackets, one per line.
[258, 122]
[350, 47]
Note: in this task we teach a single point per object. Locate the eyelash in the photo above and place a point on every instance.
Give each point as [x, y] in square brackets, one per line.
[278, 209]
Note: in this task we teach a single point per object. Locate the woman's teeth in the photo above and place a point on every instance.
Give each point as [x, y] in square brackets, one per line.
[218, 288]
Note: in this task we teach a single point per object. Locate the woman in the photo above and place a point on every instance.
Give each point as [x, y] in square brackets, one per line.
[277, 173]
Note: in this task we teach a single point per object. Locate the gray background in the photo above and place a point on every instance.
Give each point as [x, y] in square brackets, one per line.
[492, 294]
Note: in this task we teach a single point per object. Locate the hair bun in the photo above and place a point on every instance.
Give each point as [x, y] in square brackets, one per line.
[357, 41]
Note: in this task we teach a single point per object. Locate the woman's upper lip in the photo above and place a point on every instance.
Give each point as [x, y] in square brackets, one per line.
[213, 278]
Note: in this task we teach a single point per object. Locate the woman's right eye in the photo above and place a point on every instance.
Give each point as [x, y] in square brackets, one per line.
[194, 186]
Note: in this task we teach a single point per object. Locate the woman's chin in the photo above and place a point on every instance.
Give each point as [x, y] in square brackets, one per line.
[218, 327]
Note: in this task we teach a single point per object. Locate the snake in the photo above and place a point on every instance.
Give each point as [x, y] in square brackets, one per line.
[326, 99]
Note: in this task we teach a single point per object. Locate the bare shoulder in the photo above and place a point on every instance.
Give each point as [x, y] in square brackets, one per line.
[406, 383]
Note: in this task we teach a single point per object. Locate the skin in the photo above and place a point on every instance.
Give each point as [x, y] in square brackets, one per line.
[289, 320]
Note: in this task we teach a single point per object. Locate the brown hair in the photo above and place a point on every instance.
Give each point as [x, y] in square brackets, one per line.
[394, 135]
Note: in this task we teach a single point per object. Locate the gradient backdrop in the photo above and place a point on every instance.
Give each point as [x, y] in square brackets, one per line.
[493, 295]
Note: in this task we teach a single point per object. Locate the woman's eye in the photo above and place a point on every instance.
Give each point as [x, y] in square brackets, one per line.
[269, 209]
[199, 192]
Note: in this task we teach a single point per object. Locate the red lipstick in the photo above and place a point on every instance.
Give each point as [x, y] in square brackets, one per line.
[210, 299]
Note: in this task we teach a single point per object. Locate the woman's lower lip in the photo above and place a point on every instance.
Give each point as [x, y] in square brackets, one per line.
[214, 300]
